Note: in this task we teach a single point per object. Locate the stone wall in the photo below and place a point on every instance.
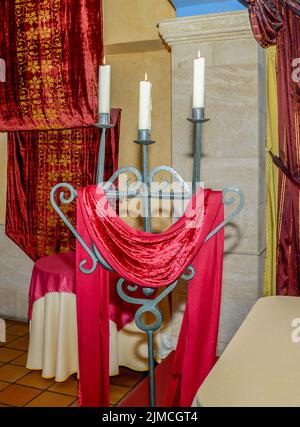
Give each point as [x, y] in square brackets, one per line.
[233, 145]
[15, 272]
[15, 266]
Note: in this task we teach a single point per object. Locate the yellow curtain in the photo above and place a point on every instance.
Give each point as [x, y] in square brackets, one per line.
[271, 176]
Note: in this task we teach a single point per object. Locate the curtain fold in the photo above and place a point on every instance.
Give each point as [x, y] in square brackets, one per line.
[278, 22]
[52, 50]
[38, 160]
[266, 21]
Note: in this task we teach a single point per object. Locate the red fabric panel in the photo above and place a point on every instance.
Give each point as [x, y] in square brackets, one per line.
[37, 161]
[196, 349]
[52, 51]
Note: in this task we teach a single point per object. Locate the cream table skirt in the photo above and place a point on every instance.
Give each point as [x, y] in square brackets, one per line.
[53, 339]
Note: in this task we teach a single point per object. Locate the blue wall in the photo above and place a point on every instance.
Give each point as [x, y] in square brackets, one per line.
[200, 7]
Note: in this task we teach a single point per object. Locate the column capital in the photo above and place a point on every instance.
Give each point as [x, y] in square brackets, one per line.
[206, 28]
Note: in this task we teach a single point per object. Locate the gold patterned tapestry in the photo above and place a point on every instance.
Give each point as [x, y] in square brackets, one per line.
[52, 50]
[37, 161]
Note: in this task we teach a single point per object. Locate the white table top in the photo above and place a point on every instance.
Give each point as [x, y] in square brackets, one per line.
[261, 365]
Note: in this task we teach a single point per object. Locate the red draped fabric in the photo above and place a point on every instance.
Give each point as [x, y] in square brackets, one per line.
[37, 161]
[149, 260]
[278, 22]
[52, 50]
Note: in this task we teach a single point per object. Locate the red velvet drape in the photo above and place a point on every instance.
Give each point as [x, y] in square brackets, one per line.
[278, 22]
[36, 162]
[52, 50]
[151, 260]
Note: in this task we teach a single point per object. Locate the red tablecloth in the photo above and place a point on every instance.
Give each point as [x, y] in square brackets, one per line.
[53, 344]
[55, 273]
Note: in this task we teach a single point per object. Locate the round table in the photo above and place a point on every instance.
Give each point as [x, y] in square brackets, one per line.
[53, 325]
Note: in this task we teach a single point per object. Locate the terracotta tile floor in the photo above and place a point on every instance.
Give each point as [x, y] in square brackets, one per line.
[21, 387]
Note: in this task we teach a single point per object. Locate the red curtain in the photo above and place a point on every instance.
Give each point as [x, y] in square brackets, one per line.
[37, 161]
[52, 50]
[278, 22]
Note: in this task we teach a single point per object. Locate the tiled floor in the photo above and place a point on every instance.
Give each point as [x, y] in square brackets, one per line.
[22, 387]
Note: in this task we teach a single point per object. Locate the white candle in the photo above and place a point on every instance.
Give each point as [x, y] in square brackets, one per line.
[104, 88]
[145, 104]
[199, 82]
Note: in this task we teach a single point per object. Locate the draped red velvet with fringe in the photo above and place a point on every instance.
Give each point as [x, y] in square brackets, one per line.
[278, 22]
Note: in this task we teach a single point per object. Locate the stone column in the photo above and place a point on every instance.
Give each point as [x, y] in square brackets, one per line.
[233, 145]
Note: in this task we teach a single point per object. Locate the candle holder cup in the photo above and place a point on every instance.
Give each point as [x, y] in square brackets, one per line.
[198, 114]
[104, 121]
[144, 137]
[198, 117]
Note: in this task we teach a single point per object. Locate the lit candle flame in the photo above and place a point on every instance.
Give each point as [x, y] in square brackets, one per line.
[104, 60]
[146, 77]
[199, 54]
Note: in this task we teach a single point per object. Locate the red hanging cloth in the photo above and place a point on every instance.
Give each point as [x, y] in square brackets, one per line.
[277, 22]
[48, 104]
[38, 160]
[150, 260]
[52, 51]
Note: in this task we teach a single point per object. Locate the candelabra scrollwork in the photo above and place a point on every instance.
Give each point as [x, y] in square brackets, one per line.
[134, 187]
[67, 200]
[94, 253]
[185, 187]
[189, 274]
[227, 202]
[101, 260]
[147, 304]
